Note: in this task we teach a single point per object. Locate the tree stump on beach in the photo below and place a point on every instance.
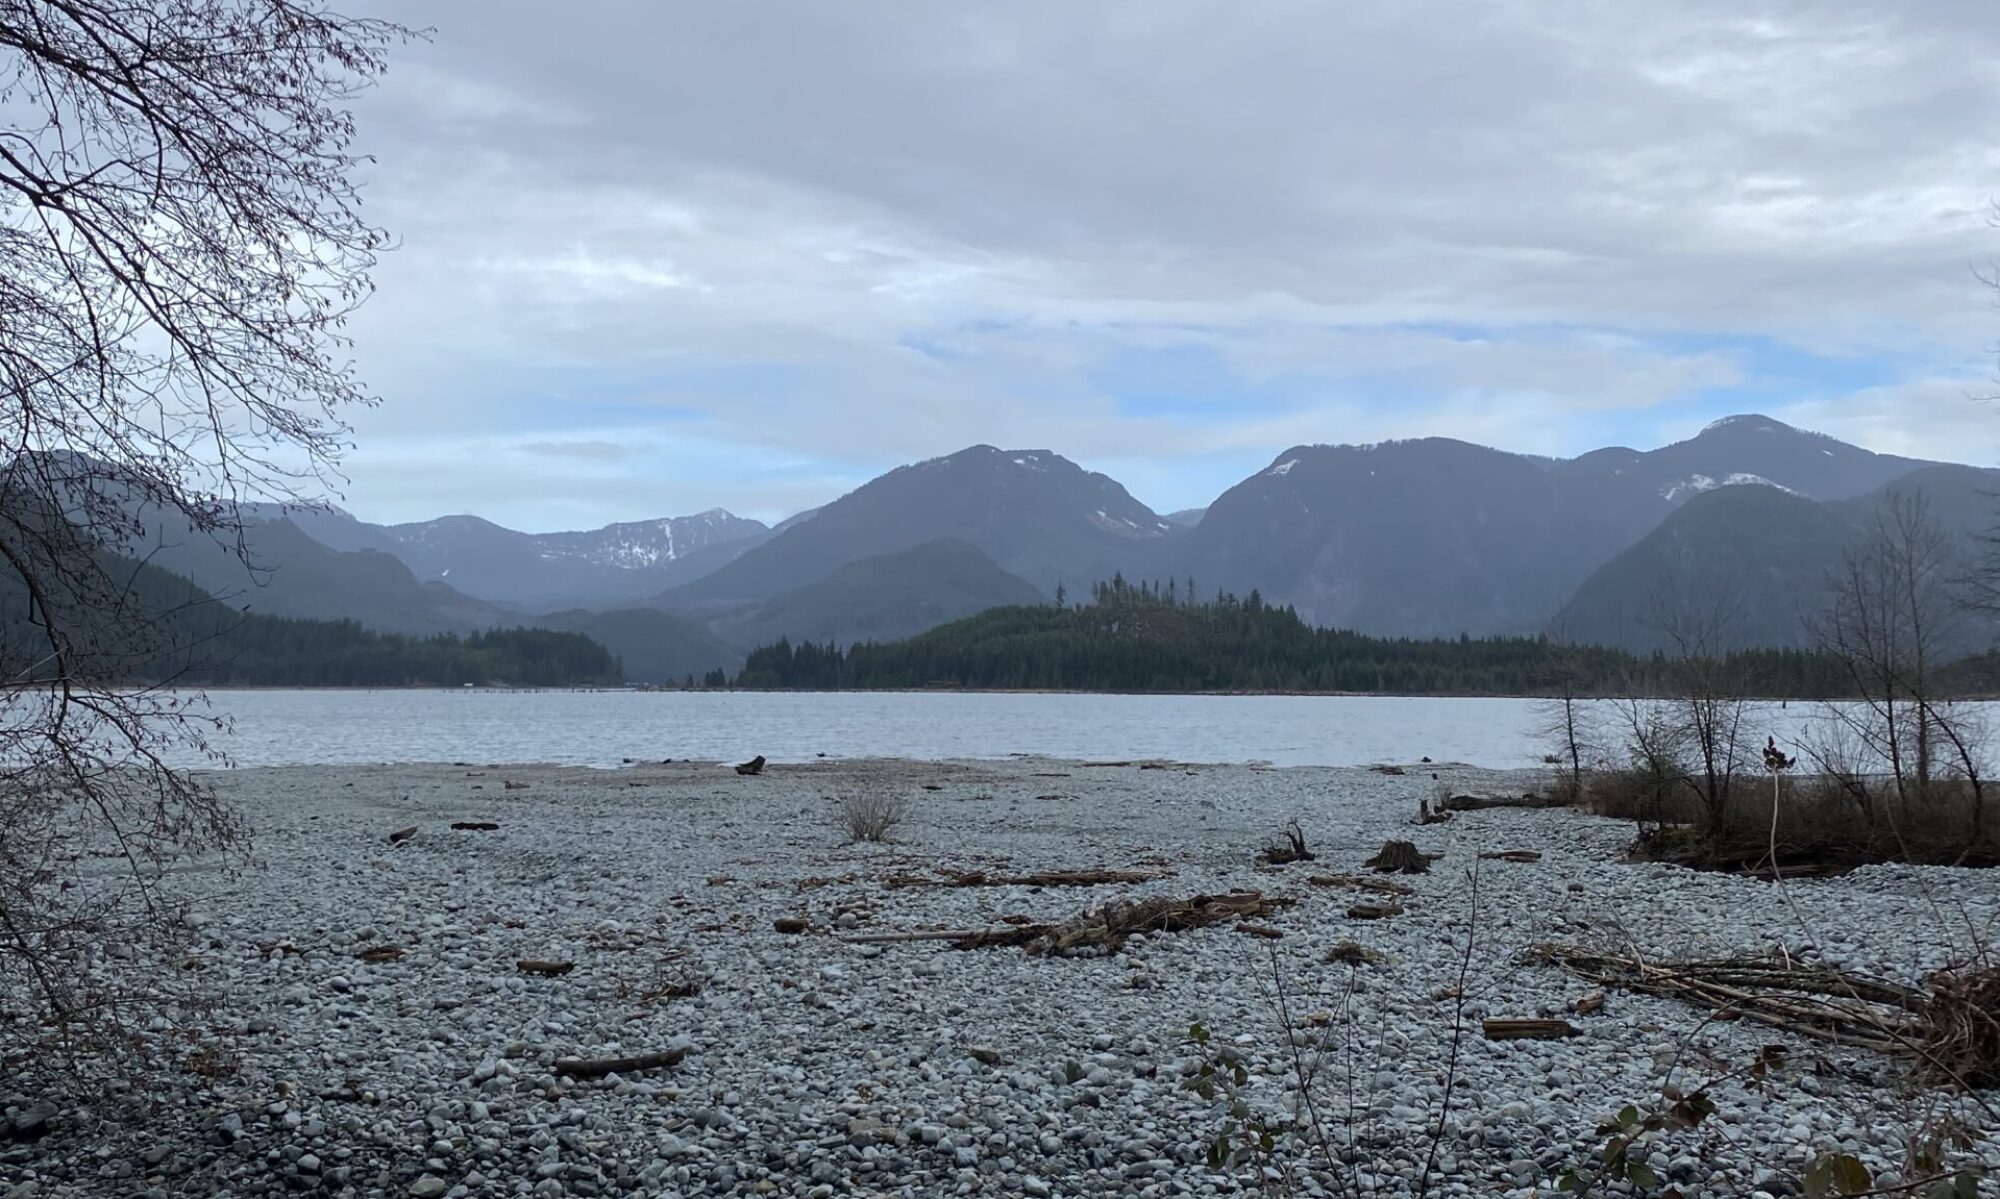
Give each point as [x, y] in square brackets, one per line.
[753, 766]
[1399, 857]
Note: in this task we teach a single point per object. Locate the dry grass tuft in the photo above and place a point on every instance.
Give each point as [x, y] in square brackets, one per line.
[872, 816]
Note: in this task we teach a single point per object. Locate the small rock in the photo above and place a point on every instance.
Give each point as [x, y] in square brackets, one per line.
[32, 1122]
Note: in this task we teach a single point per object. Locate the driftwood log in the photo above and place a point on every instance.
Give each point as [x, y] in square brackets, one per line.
[1106, 928]
[402, 834]
[1527, 1030]
[579, 1067]
[544, 969]
[1045, 878]
[474, 826]
[1819, 1002]
[1512, 855]
[1399, 857]
[927, 934]
[1479, 803]
[1380, 886]
[1374, 911]
[753, 766]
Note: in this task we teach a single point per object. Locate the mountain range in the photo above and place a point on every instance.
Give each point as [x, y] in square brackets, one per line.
[617, 564]
[1421, 538]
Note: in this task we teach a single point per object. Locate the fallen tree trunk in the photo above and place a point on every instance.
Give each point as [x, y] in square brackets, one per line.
[578, 1067]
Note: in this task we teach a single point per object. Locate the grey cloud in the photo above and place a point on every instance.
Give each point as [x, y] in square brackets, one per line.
[595, 451]
[1297, 186]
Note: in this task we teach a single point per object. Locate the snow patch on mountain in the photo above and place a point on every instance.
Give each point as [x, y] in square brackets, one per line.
[1698, 483]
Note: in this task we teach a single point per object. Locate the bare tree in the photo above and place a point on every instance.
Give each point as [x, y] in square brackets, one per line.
[1706, 702]
[180, 244]
[1893, 621]
[1562, 715]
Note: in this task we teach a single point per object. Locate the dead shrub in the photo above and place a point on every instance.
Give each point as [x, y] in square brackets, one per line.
[872, 815]
[1962, 1022]
[1826, 823]
[1565, 789]
[1643, 794]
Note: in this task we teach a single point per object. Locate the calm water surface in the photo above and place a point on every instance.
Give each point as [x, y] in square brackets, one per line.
[603, 728]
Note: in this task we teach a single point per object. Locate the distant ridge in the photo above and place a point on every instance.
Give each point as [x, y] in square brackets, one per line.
[1426, 537]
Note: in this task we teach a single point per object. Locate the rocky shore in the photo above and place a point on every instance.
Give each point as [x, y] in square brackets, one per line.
[380, 1036]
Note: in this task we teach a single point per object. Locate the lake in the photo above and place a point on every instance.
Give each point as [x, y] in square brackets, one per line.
[604, 728]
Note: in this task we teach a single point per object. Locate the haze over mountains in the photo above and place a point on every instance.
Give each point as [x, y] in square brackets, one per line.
[1422, 538]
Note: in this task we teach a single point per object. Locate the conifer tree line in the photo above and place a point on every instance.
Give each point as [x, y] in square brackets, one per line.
[271, 652]
[1158, 636]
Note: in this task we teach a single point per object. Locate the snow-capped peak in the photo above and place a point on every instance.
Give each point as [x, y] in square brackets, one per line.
[1748, 421]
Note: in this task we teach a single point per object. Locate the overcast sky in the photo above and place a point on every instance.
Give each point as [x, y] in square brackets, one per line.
[663, 257]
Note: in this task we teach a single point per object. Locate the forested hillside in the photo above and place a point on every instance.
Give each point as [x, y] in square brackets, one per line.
[134, 623]
[1148, 638]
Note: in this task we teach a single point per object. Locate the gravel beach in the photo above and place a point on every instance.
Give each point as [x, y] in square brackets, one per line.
[816, 1066]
